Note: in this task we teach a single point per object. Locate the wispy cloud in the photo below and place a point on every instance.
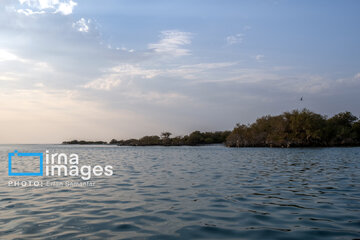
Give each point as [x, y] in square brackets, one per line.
[6, 55]
[82, 25]
[9, 56]
[156, 96]
[171, 43]
[125, 49]
[234, 39]
[104, 83]
[8, 76]
[303, 84]
[31, 7]
[259, 57]
[114, 76]
[14, 69]
[196, 71]
[29, 12]
[350, 80]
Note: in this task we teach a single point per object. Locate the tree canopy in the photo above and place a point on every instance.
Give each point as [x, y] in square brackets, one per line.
[297, 129]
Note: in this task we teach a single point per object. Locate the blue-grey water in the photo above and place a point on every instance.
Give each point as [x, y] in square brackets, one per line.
[208, 192]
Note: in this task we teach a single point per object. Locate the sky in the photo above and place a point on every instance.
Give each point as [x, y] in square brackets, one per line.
[98, 70]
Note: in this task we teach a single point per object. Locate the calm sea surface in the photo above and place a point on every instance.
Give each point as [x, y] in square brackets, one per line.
[208, 192]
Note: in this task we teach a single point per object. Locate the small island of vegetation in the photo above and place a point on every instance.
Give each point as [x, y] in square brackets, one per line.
[298, 129]
[193, 139]
[83, 142]
[290, 129]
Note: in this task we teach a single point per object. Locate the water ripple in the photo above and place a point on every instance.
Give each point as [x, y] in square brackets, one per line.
[207, 192]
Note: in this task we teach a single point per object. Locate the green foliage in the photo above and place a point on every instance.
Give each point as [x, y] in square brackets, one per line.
[297, 129]
[193, 139]
[165, 135]
[82, 142]
[149, 140]
[340, 128]
[356, 130]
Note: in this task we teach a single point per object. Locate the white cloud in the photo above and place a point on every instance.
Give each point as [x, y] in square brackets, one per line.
[66, 7]
[194, 71]
[307, 84]
[246, 76]
[125, 49]
[349, 80]
[104, 83]
[29, 12]
[8, 76]
[155, 97]
[82, 25]
[120, 77]
[134, 70]
[234, 39]
[29, 67]
[171, 43]
[116, 75]
[31, 7]
[275, 80]
[6, 55]
[259, 57]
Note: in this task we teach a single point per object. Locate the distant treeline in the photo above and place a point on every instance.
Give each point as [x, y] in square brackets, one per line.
[195, 138]
[298, 129]
[82, 142]
[290, 129]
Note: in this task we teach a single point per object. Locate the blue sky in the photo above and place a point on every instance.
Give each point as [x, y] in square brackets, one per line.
[118, 69]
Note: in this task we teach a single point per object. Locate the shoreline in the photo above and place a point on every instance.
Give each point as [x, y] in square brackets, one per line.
[215, 144]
